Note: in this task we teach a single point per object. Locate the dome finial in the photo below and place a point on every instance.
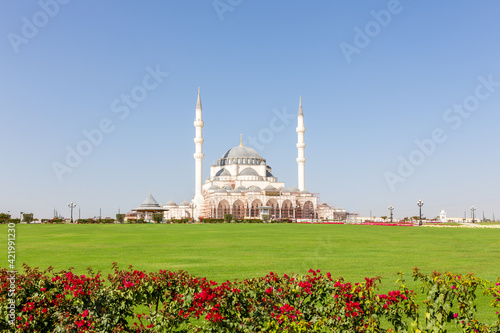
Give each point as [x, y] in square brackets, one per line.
[241, 140]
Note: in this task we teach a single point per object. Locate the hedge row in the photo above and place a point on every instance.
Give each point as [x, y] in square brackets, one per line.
[48, 301]
[175, 221]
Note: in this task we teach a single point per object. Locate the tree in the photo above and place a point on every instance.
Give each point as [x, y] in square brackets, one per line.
[120, 218]
[4, 216]
[228, 218]
[157, 217]
[28, 218]
[383, 218]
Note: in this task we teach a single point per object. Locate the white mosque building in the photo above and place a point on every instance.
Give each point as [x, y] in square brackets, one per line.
[241, 183]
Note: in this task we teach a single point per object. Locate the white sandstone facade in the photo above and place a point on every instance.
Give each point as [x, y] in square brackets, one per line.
[241, 183]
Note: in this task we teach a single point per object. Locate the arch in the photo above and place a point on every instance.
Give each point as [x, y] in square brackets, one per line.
[275, 210]
[238, 209]
[222, 208]
[286, 209]
[213, 209]
[254, 211]
[299, 212]
[308, 211]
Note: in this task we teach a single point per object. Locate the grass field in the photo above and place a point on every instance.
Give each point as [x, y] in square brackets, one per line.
[228, 251]
[240, 251]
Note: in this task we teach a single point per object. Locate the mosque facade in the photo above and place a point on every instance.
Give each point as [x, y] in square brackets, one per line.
[242, 183]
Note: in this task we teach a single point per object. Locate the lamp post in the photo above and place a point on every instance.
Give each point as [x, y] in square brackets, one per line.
[420, 203]
[390, 210]
[21, 216]
[473, 209]
[72, 205]
[193, 206]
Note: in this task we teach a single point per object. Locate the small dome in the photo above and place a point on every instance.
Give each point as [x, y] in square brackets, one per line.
[241, 152]
[222, 190]
[254, 188]
[213, 188]
[170, 203]
[223, 172]
[241, 188]
[305, 192]
[184, 203]
[270, 188]
[228, 188]
[235, 191]
[248, 172]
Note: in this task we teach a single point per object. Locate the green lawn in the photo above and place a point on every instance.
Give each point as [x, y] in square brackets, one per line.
[229, 251]
[240, 251]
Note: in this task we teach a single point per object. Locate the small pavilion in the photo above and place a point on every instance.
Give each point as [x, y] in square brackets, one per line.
[147, 208]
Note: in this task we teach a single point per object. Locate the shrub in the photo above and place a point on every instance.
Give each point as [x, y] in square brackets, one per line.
[177, 301]
[54, 220]
[157, 217]
[28, 217]
[120, 218]
[228, 218]
[211, 220]
[181, 221]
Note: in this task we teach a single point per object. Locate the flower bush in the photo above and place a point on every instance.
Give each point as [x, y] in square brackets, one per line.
[129, 300]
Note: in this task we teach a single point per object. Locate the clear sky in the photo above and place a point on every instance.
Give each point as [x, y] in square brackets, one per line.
[401, 100]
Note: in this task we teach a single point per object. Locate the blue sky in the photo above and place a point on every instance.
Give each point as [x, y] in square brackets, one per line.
[401, 100]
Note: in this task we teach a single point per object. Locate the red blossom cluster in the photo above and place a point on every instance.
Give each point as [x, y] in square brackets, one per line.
[64, 301]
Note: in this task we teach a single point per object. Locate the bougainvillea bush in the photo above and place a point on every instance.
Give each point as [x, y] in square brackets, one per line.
[135, 301]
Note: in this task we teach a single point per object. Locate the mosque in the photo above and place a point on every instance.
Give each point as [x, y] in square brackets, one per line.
[241, 183]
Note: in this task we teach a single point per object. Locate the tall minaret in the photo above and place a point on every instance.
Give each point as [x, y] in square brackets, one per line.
[198, 155]
[301, 160]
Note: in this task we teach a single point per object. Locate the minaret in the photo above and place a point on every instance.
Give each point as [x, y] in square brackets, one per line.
[198, 155]
[301, 160]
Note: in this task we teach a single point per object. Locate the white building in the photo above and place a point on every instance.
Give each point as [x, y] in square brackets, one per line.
[241, 183]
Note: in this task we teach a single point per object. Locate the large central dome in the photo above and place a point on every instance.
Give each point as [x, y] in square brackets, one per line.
[241, 152]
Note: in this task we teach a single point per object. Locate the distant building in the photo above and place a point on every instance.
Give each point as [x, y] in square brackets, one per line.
[442, 216]
[146, 209]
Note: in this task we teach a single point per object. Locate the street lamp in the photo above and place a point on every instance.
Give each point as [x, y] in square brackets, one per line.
[391, 209]
[193, 206]
[72, 205]
[21, 216]
[420, 203]
[473, 209]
